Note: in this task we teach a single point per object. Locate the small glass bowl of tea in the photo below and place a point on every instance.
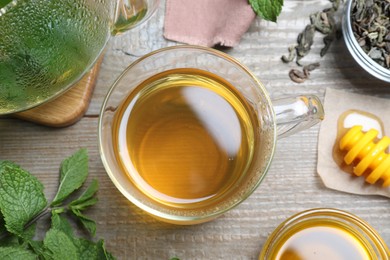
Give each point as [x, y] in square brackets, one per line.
[324, 233]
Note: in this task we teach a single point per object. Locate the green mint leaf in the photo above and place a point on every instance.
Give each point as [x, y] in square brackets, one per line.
[85, 204]
[102, 252]
[16, 253]
[37, 247]
[29, 233]
[23, 239]
[88, 193]
[91, 250]
[73, 173]
[10, 240]
[22, 202]
[87, 249]
[60, 246]
[21, 196]
[267, 9]
[2, 224]
[4, 3]
[88, 223]
[59, 222]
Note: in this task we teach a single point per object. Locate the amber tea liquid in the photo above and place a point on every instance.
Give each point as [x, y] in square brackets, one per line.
[321, 241]
[185, 137]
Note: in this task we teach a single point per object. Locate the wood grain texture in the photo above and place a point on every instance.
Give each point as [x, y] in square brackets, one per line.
[291, 185]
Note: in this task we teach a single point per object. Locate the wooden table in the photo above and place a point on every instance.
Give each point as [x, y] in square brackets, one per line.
[292, 183]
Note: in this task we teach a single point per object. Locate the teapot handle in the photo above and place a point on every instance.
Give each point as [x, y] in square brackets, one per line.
[131, 13]
[294, 114]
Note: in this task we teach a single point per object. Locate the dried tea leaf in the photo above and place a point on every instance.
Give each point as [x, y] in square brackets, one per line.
[375, 54]
[305, 40]
[310, 67]
[321, 22]
[297, 76]
[336, 4]
[291, 54]
[328, 39]
[371, 28]
[324, 22]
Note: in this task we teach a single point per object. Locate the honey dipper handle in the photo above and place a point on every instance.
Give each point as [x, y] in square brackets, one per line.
[294, 114]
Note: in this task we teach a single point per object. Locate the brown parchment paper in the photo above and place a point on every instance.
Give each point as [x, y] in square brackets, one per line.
[337, 102]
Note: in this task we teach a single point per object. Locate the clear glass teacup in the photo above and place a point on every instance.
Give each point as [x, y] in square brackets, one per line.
[187, 133]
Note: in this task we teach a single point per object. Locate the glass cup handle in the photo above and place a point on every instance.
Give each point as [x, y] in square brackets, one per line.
[294, 114]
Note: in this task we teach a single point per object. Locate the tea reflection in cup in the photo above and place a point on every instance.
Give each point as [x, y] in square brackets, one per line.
[187, 133]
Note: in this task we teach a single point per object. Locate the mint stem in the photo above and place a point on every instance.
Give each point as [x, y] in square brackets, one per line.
[43, 213]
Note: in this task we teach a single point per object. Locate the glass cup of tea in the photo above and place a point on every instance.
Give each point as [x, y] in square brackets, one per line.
[187, 133]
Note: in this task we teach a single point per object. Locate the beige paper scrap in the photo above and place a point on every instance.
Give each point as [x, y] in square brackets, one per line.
[337, 102]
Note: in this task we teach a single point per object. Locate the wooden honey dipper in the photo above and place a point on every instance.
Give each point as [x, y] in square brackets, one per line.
[370, 157]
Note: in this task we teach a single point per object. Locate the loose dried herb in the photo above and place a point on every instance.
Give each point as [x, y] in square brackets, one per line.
[324, 22]
[300, 76]
[305, 41]
[371, 27]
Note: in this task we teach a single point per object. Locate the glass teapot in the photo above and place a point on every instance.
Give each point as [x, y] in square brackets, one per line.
[48, 45]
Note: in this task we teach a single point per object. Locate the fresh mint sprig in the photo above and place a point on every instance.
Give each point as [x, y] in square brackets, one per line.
[22, 203]
[73, 173]
[267, 9]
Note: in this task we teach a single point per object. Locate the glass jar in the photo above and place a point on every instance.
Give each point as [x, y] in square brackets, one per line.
[324, 233]
[357, 52]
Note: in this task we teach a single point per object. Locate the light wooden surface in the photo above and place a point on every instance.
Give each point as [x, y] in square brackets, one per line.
[292, 184]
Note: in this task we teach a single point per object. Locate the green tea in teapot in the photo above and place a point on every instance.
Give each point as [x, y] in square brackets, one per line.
[46, 46]
[4, 3]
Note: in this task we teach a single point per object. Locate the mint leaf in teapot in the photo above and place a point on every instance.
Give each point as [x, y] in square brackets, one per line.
[12, 253]
[73, 173]
[21, 197]
[267, 9]
[3, 3]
